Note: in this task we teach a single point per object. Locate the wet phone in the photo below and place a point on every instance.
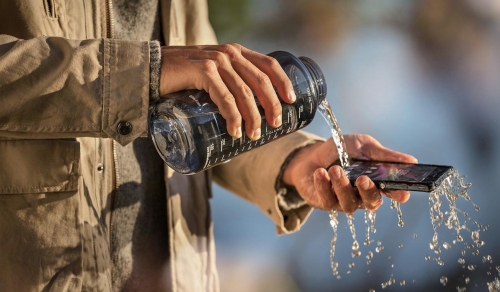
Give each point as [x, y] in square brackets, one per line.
[397, 176]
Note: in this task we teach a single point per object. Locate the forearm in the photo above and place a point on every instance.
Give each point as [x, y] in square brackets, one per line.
[52, 87]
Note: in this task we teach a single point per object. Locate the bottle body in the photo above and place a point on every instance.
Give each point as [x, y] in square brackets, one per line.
[190, 133]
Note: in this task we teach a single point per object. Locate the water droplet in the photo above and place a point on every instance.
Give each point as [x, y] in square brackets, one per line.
[494, 286]
[467, 280]
[471, 267]
[443, 280]
[446, 245]
[400, 245]
[475, 235]
[463, 252]
[369, 255]
[475, 252]
[351, 265]
[461, 289]
[402, 282]
[371, 290]
[461, 261]
[415, 235]
[427, 258]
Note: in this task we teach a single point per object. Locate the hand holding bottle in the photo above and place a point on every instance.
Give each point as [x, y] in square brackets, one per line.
[331, 190]
[230, 74]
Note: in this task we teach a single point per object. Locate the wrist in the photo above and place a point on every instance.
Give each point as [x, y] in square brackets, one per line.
[295, 160]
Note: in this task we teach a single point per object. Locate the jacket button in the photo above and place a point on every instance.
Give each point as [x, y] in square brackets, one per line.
[124, 128]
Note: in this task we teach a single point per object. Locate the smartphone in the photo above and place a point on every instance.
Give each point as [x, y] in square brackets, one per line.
[398, 176]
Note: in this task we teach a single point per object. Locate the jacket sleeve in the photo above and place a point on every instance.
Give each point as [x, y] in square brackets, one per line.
[52, 87]
[253, 175]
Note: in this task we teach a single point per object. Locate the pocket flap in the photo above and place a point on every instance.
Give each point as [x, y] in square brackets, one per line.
[39, 166]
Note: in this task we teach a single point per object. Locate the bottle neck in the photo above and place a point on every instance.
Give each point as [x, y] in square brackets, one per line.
[317, 74]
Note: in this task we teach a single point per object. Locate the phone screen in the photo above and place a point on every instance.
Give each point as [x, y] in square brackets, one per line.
[382, 171]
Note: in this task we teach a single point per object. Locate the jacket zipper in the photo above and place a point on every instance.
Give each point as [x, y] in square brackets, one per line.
[110, 21]
[110, 31]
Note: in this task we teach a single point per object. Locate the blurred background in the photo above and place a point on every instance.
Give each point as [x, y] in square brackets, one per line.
[420, 76]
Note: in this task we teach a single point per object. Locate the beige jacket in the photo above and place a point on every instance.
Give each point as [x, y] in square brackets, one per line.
[65, 87]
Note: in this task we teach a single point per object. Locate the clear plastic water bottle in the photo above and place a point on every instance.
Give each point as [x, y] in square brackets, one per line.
[190, 133]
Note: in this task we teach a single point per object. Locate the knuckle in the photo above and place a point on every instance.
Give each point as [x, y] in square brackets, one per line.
[236, 46]
[263, 79]
[209, 66]
[247, 92]
[228, 100]
[220, 58]
[271, 62]
[231, 50]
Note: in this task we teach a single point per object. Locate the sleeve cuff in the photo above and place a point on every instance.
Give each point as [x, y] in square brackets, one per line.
[292, 207]
[154, 69]
[126, 86]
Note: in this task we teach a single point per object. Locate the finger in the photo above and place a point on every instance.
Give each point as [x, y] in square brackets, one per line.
[243, 95]
[263, 88]
[372, 199]
[375, 151]
[273, 69]
[257, 80]
[327, 200]
[222, 97]
[342, 187]
[399, 196]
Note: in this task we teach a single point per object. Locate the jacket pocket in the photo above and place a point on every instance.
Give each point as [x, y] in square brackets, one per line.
[40, 207]
[36, 166]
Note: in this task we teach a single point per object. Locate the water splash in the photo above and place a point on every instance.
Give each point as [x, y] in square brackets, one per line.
[326, 111]
[334, 222]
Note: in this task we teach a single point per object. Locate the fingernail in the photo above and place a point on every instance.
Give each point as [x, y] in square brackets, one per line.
[256, 134]
[364, 183]
[292, 96]
[238, 132]
[277, 121]
[336, 173]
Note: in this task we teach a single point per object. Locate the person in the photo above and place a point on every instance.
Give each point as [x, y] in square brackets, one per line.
[85, 202]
